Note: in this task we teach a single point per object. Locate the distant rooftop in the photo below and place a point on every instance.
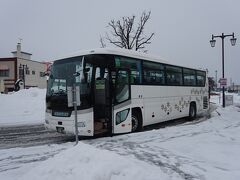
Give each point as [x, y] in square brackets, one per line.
[15, 52]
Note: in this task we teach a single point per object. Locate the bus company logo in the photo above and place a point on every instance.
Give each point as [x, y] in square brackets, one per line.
[167, 108]
[195, 91]
[182, 104]
[198, 92]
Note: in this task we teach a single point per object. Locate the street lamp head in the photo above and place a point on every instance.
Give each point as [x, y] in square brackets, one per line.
[212, 42]
[233, 41]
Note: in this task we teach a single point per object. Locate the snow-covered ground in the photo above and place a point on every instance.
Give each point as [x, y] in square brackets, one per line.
[23, 107]
[203, 149]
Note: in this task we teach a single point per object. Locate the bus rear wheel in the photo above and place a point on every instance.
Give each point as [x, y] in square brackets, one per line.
[192, 111]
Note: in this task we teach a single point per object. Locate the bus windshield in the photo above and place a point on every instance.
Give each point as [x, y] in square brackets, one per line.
[62, 76]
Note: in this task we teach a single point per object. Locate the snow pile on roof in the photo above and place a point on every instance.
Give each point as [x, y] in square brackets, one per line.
[88, 163]
[26, 106]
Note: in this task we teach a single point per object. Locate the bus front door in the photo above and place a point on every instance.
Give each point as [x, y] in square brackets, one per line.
[102, 102]
[122, 121]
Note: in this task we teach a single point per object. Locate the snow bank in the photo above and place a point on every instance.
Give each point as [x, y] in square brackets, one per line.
[26, 106]
[86, 162]
[217, 99]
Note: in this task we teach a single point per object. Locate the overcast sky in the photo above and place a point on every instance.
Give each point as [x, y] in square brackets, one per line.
[182, 29]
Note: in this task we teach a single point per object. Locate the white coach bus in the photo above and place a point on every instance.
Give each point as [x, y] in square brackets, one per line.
[122, 91]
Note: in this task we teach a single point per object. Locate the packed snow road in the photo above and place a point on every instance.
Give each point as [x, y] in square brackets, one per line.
[29, 135]
[33, 135]
[37, 134]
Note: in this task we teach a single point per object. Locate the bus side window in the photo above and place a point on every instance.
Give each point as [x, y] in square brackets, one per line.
[134, 65]
[201, 76]
[174, 75]
[153, 73]
[189, 77]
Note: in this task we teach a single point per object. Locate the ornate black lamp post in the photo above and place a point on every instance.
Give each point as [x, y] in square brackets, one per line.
[233, 42]
[23, 68]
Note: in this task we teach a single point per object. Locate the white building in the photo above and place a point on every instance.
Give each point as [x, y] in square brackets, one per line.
[20, 66]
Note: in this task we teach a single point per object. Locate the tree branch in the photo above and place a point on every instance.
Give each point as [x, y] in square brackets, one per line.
[123, 34]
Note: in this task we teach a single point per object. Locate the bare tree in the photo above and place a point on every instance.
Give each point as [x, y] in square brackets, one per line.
[125, 35]
[103, 45]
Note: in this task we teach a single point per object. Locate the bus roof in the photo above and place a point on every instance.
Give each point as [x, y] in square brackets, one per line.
[116, 51]
[122, 52]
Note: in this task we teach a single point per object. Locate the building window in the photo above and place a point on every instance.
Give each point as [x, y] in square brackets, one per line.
[27, 71]
[41, 74]
[21, 73]
[4, 73]
[33, 72]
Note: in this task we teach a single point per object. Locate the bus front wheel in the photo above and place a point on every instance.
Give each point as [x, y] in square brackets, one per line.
[192, 111]
[135, 123]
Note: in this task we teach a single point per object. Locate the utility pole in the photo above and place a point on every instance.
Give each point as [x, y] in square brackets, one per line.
[233, 42]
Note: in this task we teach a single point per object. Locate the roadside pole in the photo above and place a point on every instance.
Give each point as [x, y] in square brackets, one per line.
[73, 96]
[75, 111]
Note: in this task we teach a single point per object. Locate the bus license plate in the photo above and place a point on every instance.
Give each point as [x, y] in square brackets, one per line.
[60, 114]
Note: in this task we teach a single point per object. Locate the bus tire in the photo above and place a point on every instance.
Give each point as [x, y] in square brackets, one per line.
[192, 111]
[136, 122]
